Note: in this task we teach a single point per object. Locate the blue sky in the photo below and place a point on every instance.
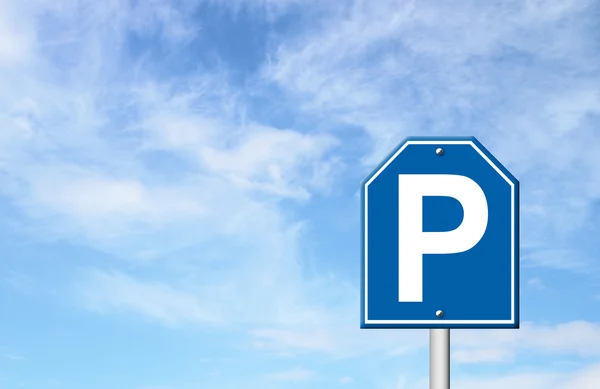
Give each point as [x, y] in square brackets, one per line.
[179, 186]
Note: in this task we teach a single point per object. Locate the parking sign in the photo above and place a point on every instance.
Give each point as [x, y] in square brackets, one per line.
[440, 238]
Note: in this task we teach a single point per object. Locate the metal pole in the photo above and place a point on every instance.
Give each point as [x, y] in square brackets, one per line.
[439, 358]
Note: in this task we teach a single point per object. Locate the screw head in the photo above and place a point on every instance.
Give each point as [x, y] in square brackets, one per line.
[439, 151]
[439, 313]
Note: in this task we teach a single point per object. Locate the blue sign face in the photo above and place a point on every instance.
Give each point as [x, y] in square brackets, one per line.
[440, 238]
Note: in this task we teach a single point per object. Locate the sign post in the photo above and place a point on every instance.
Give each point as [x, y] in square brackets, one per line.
[440, 243]
[439, 358]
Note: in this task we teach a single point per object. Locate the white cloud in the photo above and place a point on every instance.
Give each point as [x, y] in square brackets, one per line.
[346, 380]
[14, 357]
[83, 160]
[81, 142]
[106, 204]
[230, 280]
[483, 355]
[339, 335]
[104, 291]
[537, 283]
[400, 383]
[271, 9]
[17, 41]
[296, 374]
[282, 312]
[272, 160]
[514, 74]
[572, 259]
[20, 282]
[54, 382]
[586, 378]
[89, 196]
[283, 162]
[84, 126]
[313, 340]
[576, 338]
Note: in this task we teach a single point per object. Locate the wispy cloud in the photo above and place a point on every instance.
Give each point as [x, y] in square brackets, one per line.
[586, 378]
[54, 382]
[221, 283]
[119, 133]
[103, 291]
[537, 283]
[483, 355]
[561, 259]
[509, 73]
[85, 154]
[346, 380]
[14, 357]
[296, 374]
[571, 338]
[277, 325]
[20, 282]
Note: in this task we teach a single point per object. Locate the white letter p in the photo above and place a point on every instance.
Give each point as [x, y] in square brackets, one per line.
[413, 242]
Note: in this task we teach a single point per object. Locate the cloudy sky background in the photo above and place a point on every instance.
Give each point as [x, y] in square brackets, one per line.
[179, 182]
